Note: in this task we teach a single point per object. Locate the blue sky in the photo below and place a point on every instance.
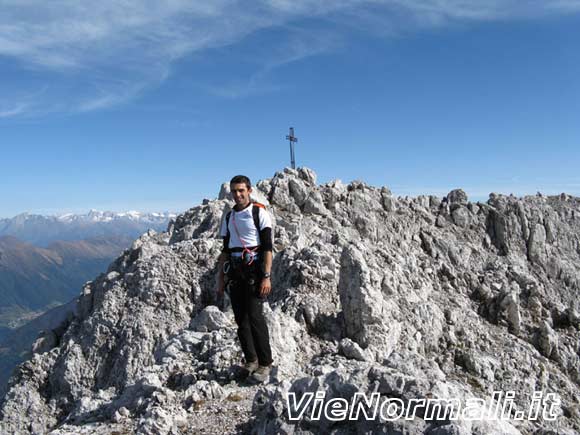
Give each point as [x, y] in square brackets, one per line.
[138, 105]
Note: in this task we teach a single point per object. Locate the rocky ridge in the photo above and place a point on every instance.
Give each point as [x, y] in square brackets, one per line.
[410, 298]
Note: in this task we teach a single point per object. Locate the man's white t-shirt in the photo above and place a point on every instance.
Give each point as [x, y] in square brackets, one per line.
[244, 221]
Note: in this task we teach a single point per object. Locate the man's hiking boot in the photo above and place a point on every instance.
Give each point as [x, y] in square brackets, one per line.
[250, 367]
[261, 375]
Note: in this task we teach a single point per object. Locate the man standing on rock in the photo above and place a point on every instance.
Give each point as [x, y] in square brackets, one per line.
[244, 266]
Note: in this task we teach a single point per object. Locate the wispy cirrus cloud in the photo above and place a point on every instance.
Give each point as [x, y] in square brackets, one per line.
[13, 110]
[106, 53]
[296, 45]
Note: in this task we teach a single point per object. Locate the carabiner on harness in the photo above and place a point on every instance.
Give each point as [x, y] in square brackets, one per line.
[248, 256]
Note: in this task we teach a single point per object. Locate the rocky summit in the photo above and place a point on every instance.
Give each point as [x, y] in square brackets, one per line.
[410, 301]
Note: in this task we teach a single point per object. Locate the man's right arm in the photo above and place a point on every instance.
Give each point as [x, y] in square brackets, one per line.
[220, 278]
[224, 233]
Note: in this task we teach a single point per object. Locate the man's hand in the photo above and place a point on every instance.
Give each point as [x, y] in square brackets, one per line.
[265, 287]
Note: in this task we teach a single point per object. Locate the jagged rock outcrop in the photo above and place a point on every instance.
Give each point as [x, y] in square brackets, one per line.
[409, 298]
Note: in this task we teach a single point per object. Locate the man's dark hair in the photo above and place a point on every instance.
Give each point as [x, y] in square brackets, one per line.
[241, 179]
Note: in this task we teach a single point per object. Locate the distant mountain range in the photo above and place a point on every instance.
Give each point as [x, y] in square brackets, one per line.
[45, 260]
[42, 230]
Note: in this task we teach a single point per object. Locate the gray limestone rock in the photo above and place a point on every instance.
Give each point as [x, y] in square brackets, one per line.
[547, 340]
[225, 191]
[351, 350]
[457, 196]
[46, 341]
[298, 191]
[209, 319]
[509, 306]
[460, 216]
[308, 175]
[537, 244]
[368, 317]
[314, 204]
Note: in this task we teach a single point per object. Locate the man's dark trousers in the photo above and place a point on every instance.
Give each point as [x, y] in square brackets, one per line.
[244, 286]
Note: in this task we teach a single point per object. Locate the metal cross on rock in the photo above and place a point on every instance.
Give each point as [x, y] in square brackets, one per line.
[292, 140]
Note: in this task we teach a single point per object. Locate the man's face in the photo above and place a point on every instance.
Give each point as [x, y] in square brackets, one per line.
[241, 194]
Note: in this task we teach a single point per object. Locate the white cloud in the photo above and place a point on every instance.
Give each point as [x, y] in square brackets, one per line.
[297, 45]
[14, 110]
[99, 45]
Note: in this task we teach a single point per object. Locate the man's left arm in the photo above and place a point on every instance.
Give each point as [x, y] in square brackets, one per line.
[266, 244]
[266, 285]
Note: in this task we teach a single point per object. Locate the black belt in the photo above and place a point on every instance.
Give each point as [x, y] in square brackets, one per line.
[240, 249]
